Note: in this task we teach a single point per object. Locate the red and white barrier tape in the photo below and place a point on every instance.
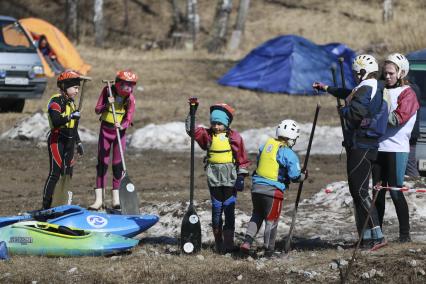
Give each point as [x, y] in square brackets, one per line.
[403, 189]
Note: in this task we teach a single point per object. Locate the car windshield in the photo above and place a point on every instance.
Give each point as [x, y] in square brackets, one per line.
[418, 77]
[13, 38]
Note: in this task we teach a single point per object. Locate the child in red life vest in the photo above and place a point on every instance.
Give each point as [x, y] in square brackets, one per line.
[124, 103]
[226, 168]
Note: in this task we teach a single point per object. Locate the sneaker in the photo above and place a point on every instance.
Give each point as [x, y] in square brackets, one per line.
[245, 247]
[377, 244]
[405, 239]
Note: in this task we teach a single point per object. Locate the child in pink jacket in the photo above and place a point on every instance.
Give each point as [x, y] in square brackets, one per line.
[124, 103]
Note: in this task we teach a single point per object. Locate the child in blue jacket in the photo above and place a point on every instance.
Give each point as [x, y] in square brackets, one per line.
[277, 166]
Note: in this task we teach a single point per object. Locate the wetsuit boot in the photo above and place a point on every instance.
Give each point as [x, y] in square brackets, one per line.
[98, 199]
[115, 199]
[218, 239]
[228, 240]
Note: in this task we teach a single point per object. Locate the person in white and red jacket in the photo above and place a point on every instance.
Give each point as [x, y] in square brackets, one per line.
[394, 145]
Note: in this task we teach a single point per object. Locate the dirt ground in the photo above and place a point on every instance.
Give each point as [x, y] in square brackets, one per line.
[169, 77]
[157, 174]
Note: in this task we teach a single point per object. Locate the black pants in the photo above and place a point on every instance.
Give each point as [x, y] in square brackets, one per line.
[61, 154]
[359, 167]
[389, 170]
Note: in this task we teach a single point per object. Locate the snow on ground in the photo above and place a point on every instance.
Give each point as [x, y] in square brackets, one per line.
[327, 215]
[172, 136]
[36, 127]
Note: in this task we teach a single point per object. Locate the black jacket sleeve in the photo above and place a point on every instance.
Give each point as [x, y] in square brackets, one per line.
[357, 109]
[339, 92]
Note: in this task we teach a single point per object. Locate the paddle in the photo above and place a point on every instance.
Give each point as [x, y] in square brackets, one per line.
[129, 201]
[62, 193]
[305, 166]
[190, 232]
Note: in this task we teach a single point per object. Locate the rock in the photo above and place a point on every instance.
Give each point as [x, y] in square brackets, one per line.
[309, 274]
[380, 273]
[334, 266]
[72, 270]
[115, 257]
[421, 272]
[343, 262]
[200, 257]
[365, 275]
[415, 250]
[412, 263]
[260, 266]
[240, 277]
[339, 248]
[250, 258]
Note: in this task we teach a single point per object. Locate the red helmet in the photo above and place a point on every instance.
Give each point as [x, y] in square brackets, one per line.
[67, 79]
[226, 108]
[126, 75]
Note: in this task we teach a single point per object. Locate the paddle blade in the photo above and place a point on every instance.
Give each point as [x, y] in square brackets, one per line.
[190, 232]
[129, 201]
[61, 194]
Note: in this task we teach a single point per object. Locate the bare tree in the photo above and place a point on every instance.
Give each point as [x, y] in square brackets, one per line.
[237, 33]
[387, 10]
[126, 13]
[193, 20]
[98, 22]
[71, 26]
[220, 26]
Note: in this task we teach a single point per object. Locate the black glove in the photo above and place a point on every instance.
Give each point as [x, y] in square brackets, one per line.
[239, 183]
[75, 115]
[80, 149]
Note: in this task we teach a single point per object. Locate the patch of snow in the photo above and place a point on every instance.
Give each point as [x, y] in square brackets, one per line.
[36, 128]
[327, 215]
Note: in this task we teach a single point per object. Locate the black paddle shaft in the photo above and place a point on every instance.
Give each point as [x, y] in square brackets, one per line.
[299, 192]
[342, 72]
[193, 105]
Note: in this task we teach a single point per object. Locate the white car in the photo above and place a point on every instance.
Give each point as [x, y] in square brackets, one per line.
[21, 71]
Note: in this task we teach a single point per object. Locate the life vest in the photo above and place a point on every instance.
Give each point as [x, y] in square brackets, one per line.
[120, 105]
[69, 108]
[268, 166]
[220, 151]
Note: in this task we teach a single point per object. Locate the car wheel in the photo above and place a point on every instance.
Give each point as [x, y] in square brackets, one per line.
[12, 105]
[18, 106]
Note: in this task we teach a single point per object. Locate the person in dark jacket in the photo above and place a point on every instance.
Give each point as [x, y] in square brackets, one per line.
[365, 116]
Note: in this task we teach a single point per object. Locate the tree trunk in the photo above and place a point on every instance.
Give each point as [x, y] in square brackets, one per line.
[243, 9]
[71, 27]
[220, 26]
[126, 14]
[98, 22]
[387, 11]
[193, 20]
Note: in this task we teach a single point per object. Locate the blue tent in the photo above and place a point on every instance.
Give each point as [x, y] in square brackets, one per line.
[289, 64]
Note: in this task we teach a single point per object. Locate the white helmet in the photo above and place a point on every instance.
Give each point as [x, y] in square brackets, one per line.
[365, 62]
[288, 129]
[401, 61]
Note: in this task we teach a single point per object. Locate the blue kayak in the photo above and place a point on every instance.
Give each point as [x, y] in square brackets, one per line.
[78, 217]
[45, 239]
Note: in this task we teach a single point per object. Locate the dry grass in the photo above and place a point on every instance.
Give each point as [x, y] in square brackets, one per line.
[171, 76]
